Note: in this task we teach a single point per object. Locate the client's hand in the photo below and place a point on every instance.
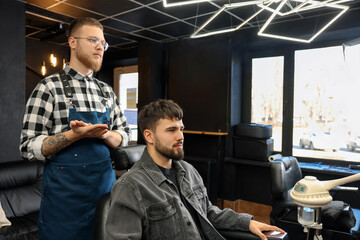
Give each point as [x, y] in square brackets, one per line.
[258, 227]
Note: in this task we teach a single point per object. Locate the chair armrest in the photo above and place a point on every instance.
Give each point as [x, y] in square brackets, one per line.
[242, 235]
[238, 235]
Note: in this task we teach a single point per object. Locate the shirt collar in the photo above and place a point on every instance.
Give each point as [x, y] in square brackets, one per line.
[77, 75]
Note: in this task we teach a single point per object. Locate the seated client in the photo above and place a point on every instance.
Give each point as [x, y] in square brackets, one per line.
[162, 196]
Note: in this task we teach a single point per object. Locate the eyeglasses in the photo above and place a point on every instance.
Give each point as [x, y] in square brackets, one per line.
[95, 42]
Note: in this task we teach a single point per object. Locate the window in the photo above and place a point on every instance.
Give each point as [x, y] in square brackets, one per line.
[325, 121]
[267, 95]
[126, 88]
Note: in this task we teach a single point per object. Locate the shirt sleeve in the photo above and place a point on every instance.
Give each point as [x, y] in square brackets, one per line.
[120, 123]
[37, 122]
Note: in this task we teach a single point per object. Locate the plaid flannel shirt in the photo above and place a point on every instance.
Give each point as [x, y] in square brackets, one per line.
[47, 110]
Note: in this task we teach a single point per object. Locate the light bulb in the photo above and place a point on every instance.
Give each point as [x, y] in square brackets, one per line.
[53, 60]
[43, 69]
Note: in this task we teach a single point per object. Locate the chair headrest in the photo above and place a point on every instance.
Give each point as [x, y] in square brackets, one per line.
[287, 161]
[125, 157]
[18, 173]
[285, 172]
[20, 187]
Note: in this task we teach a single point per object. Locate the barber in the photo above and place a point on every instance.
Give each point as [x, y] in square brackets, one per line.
[71, 120]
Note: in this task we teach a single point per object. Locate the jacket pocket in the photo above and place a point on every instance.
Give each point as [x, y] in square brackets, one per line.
[201, 197]
[163, 220]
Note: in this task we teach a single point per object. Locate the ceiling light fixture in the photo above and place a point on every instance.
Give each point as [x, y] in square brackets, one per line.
[276, 12]
[301, 5]
[226, 6]
[317, 4]
[304, 5]
[166, 4]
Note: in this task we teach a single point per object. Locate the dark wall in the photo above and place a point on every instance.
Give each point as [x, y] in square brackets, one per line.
[36, 53]
[199, 80]
[151, 81]
[12, 71]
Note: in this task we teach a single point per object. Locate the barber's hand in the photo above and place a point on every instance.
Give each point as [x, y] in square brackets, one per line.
[88, 130]
[258, 227]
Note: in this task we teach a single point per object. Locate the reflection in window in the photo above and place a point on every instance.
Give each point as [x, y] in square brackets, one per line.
[267, 95]
[325, 116]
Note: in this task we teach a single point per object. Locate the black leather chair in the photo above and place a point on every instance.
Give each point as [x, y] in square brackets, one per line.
[124, 158]
[20, 196]
[285, 172]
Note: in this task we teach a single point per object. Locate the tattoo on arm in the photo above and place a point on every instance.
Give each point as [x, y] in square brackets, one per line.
[54, 144]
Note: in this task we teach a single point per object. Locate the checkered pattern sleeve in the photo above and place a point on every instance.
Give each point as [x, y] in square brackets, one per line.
[37, 122]
[118, 121]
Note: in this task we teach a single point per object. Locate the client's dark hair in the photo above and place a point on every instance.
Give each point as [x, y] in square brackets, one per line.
[154, 111]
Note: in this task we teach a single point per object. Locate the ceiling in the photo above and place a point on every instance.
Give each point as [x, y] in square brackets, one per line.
[126, 22]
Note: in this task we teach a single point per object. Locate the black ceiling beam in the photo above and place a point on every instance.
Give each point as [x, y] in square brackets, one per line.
[29, 8]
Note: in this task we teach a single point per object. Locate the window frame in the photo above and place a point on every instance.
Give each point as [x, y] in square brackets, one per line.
[288, 52]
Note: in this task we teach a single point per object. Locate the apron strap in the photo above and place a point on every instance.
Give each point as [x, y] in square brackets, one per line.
[66, 86]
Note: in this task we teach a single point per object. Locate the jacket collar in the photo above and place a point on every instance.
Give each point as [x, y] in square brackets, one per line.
[152, 169]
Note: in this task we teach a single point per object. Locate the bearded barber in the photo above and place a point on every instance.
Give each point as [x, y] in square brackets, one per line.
[71, 120]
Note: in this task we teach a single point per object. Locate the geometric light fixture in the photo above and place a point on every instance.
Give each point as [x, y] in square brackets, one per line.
[311, 4]
[315, 4]
[166, 4]
[196, 35]
[295, 5]
[293, 10]
[229, 6]
[304, 5]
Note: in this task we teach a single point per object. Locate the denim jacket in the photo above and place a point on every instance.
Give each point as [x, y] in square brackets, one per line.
[146, 205]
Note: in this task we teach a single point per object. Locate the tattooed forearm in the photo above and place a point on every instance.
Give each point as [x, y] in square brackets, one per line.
[54, 144]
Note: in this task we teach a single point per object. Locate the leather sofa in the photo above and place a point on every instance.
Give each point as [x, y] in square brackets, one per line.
[20, 196]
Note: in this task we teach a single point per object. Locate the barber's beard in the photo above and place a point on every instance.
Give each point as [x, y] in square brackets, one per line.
[87, 60]
[169, 153]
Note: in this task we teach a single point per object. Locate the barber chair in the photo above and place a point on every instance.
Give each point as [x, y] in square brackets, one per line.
[124, 158]
[285, 173]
